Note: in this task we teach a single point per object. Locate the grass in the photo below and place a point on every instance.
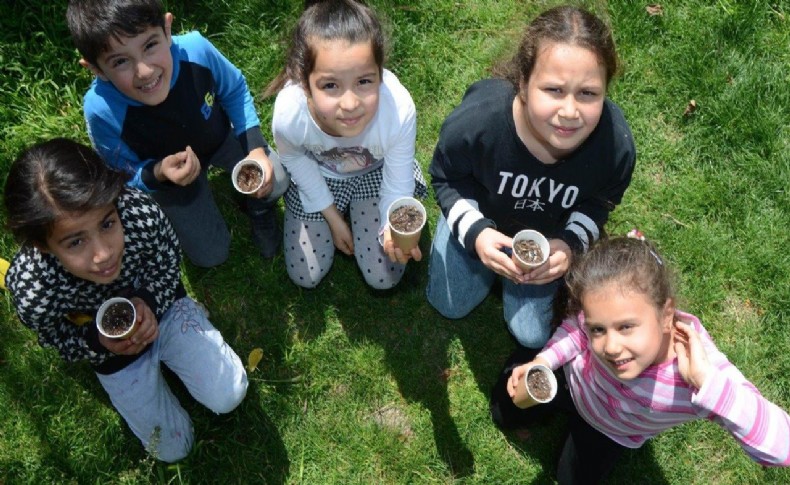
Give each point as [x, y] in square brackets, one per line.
[358, 386]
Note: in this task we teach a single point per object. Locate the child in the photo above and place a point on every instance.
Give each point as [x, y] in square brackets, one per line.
[85, 238]
[544, 149]
[166, 107]
[634, 366]
[346, 129]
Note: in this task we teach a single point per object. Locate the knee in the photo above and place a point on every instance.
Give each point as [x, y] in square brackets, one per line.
[209, 259]
[173, 448]
[229, 397]
[447, 308]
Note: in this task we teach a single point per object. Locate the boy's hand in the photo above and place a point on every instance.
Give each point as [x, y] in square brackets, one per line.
[259, 154]
[692, 359]
[181, 168]
[395, 253]
[489, 244]
[341, 234]
[147, 331]
[557, 265]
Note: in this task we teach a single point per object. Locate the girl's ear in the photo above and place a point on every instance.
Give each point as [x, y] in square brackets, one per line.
[668, 315]
[522, 90]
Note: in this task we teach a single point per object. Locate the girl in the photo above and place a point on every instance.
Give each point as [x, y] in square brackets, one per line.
[542, 149]
[85, 238]
[345, 129]
[629, 366]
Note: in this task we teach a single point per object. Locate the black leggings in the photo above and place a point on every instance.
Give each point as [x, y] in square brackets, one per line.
[587, 456]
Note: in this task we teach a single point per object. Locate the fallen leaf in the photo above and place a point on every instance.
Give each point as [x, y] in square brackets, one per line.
[523, 434]
[254, 358]
[654, 9]
[446, 374]
[690, 108]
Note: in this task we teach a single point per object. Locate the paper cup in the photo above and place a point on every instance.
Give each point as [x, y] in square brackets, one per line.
[244, 187]
[107, 331]
[406, 240]
[524, 397]
[530, 235]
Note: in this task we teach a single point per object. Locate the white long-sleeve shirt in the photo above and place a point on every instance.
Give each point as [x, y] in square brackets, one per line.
[310, 155]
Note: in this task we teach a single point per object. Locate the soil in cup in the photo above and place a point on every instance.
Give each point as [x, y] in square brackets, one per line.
[538, 384]
[249, 177]
[117, 318]
[528, 251]
[406, 218]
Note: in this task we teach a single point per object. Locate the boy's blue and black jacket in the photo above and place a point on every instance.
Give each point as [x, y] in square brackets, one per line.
[208, 97]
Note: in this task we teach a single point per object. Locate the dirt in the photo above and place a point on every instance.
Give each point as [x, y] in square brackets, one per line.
[117, 318]
[406, 218]
[539, 384]
[528, 251]
[249, 177]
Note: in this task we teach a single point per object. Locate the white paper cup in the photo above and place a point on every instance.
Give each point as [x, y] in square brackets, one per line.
[524, 397]
[234, 176]
[101, 313]
[406, 240]
[530, 235]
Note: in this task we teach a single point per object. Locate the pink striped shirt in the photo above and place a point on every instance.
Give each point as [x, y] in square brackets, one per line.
[631, 412]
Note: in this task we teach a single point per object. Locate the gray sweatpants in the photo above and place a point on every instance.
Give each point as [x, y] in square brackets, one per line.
[199, 225]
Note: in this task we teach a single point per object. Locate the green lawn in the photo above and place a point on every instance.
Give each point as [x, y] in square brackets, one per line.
[358, 386]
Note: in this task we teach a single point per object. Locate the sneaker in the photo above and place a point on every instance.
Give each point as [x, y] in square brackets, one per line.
[266, 232]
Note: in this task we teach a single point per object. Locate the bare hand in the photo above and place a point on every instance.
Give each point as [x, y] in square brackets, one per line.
[181, 168]
[489, 244]
[259, 154]
[341, 234]
[556, 266]
[395, 253]
[147, 331]
[693, 361]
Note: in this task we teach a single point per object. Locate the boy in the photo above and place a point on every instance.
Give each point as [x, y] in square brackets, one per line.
[165, 108]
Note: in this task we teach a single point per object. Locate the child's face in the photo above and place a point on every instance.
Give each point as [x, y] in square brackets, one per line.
[561, 103]
[140, 67]
[626, 331]
[343, 91]
[89, 245]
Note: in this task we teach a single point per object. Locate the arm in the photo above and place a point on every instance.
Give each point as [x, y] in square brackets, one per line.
[290, 126]
[44, 296]
[585, 221]
[760, 426]
[151, 233]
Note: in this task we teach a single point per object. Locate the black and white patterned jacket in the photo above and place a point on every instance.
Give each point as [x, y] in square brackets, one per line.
[46, 295]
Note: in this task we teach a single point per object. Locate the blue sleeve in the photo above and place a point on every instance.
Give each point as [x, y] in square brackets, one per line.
[232, 91]
[105, 110]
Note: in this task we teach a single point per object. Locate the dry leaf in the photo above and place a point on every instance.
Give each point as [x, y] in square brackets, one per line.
[446, 374]
[690, 108]
[654, 9]
[254, 358]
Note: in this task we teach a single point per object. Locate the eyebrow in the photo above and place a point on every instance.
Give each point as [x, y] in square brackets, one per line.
[79, 233]
[147, 40]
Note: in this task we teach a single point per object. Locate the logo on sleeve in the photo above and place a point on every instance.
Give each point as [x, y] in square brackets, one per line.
[208, 103]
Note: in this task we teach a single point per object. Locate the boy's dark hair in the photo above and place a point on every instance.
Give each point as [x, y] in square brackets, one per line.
[631, 264]
[93, 23]
[327, 20]
[52, 178]
[565, 24]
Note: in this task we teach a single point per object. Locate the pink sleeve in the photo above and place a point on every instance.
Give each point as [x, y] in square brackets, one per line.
[567, 342]
[761, 427]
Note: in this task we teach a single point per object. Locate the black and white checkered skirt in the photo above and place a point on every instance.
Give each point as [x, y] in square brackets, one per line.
[345, 190]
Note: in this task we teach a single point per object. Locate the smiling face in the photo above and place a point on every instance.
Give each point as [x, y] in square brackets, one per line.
[561, 102]
[141, 66]
[89, 245]
[343, 90]
[627, 333]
